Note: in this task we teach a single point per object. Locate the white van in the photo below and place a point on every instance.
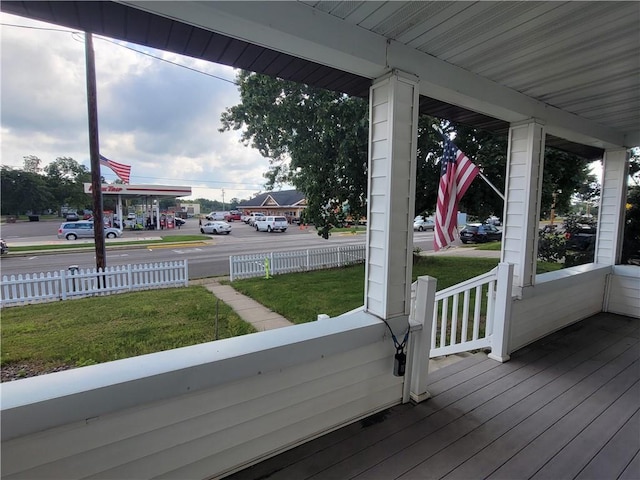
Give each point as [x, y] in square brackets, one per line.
[216, 216]
[271, 224]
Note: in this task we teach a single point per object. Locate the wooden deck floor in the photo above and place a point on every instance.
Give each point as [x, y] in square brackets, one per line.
[565, 407]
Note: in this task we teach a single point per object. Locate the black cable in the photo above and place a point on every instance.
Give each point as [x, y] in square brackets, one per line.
[399, 346]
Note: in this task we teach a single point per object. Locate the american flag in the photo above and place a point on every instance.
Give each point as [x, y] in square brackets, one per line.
[121, 170]
[456, 174]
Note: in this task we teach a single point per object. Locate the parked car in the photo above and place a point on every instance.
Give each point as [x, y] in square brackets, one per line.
[216, 227]
[493, 220]
[479, 233]
[581, 238]
[83, 229]
[421, 224]
[232, 216]
[72, 217]
[271, 224]
[179, 221]
[3, 247]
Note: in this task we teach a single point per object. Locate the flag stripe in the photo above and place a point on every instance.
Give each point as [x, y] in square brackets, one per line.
[120, 169]
[456, 174]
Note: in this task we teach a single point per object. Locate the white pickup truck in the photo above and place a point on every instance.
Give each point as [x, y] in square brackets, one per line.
[251, 218]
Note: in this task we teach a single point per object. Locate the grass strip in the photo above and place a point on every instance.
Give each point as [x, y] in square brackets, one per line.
[100, 329]
[168, 239]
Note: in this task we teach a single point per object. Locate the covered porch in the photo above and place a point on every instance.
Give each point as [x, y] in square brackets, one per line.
[564, 407]
[215, 409]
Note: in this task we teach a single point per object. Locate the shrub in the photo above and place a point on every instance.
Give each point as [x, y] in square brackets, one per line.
[551, 246]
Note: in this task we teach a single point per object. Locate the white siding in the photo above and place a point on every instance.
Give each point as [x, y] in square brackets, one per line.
[557, 300]
[523, 190]
[611, 212]
[198, 419]
[392, 152]
[623, 291]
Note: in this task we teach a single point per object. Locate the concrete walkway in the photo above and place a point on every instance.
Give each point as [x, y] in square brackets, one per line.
[263, 318]
[248, 309]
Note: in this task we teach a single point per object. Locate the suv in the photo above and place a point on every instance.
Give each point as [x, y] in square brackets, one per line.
[83, 229]
[270, 224]
[582, 237]
[72, 217]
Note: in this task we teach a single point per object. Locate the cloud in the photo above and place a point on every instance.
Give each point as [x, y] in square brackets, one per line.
[159, 118]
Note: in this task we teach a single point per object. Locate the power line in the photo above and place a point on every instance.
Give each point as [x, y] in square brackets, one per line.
[75, 33]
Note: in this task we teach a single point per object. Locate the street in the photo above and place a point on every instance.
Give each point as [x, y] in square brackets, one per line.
[210, 258]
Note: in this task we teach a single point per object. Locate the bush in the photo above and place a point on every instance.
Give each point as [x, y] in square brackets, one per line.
[551, 246]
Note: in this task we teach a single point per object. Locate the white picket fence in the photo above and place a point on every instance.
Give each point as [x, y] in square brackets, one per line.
[257, 264]
[76, 283]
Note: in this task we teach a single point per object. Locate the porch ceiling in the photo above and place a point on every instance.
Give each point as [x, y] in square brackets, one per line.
[573, 65]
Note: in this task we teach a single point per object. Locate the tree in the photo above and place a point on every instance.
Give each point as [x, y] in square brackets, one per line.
[315, 139]
[565, 174]
[66, 178]
[31, 164]
[318, 141]
[23, 192]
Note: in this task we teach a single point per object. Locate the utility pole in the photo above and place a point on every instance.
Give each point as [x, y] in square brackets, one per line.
[94, 152]
[553, 206]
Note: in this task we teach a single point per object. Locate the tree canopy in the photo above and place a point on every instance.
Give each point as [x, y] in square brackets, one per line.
[317, 140]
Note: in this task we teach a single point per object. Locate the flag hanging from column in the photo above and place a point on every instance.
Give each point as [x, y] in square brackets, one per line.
[456, 174]
[121, 170]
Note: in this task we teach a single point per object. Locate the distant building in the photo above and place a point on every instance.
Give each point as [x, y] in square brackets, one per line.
[191, 209]
[288, 203]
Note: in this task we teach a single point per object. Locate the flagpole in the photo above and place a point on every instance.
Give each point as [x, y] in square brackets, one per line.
[500, 194]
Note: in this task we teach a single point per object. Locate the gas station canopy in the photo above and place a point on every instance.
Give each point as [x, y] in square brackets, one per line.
[158, 191]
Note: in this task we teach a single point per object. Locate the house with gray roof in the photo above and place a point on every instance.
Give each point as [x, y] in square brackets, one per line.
[288, 203]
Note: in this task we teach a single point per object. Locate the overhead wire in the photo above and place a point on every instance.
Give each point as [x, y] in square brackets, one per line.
[75, 35]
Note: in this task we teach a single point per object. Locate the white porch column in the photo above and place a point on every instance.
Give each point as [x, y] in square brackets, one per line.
[393, 133]
[612, 203]
[525, 159]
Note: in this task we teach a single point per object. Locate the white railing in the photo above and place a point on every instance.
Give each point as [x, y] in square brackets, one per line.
[274, 263]
[463, 315]
[77, 283]
[471, 315]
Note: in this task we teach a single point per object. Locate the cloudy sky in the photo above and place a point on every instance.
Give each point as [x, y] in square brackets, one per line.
[161, 119]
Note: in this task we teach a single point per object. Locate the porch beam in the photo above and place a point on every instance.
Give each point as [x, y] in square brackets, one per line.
[612, 207]
[393, 133]
[525, 155]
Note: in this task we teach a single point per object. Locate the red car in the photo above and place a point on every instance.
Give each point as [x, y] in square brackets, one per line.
[231, 217]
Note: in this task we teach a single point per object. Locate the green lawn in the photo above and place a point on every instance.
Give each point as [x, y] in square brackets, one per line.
[99, 329]
[300, 297]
